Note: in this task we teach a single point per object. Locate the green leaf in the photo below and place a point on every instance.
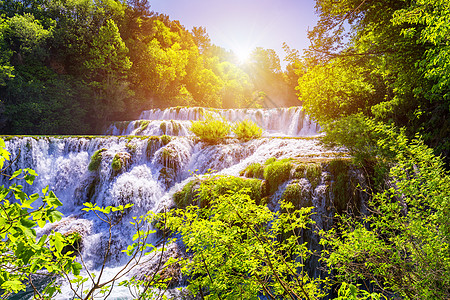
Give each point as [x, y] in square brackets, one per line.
[29, 179]
[53, 200]
[13, 285]
[58, 241]
[15, 174]
[54, 215]
[27, 223]
[32, 198]
[76, 268]
[41, 223]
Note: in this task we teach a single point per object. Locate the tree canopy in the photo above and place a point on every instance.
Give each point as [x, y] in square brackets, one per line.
[386, 59]
[71, 67]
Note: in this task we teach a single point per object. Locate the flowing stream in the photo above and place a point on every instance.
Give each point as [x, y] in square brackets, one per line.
[156, 167]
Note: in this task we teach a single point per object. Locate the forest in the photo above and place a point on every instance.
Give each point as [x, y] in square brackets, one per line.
[376, 80]
[71, 67]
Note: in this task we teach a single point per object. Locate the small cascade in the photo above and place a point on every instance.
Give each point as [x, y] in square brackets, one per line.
[292, 122]
[145, 162]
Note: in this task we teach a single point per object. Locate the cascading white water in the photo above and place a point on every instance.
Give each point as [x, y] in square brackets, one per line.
[154, 169]
[291, 121]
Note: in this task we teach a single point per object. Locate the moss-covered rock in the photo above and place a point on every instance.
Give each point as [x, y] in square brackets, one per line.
[142, 126]
[163, 127]
[270, 160]
[276, 172]
[131, 147]
[217, 186]
[165, 139]
[313, 173]
[187, 195]
[176, 127]
[96, 160]
[121, 125]
[92, 188]
[153, 144]
[120, 161]
[167, 176]
[342, 187]
[298, 195]
[255, 170]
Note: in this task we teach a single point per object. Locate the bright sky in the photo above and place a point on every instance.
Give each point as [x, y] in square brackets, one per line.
[242, 25]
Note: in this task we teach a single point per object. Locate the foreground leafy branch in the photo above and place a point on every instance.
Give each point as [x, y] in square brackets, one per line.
[402, 247]
[241, 249]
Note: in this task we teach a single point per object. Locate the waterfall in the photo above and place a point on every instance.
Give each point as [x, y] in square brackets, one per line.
[157, 161]
[291, 121]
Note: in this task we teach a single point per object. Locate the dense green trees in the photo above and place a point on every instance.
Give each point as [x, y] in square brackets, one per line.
[82, 62]
[376, 79]
[386, 59]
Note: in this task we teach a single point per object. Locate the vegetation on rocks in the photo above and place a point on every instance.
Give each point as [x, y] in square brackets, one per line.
[217, 186]
[254, 170]
[96, 160]
[235, 251]
[276, 172]
[211, 130]
[120, 161]
[247, 130]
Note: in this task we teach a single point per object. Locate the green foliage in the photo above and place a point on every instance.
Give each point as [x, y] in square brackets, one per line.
[23, 256]
[295, 194]
[107, 67]
[336, 89]
[402, 247]
[254, 170]
[235, 252]
[247, 130]
[41, 103]
[24, 35]
[96, 160]
[313, 173]
[276, 172]
[350, 291]
[92, 59]
[193, 193]
[211, 130]
[391, 62]
[116, 163]
[186, 196]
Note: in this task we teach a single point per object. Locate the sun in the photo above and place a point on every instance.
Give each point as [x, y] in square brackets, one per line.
[242, 53]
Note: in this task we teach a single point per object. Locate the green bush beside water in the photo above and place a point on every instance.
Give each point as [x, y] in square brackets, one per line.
[211, 130]
[247, 130]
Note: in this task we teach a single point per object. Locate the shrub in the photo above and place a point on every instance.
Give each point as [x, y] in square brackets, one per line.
[247, 130]
[295, 194]
[313, 173]
[96, 160]
[201, 193]
[403, 245]
[211, 130]
[277, 172]
[254, 170]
